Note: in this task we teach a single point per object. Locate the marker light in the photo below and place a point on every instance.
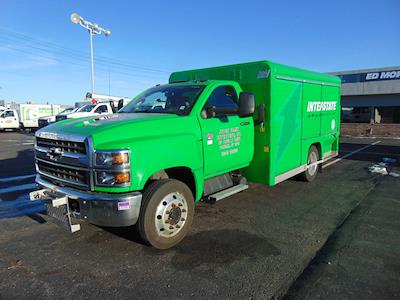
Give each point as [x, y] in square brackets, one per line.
[120, 158]
[112, 179]
[122, 177]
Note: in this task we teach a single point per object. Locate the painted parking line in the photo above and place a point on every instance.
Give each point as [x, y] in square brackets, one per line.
[18, 141]
[16, 178]
[388, 154]
[22, 187]
[350, 154]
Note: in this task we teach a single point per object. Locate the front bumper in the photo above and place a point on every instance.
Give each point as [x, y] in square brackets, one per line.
[113, 210]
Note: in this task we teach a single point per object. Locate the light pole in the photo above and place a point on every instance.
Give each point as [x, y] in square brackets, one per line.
[93, 29]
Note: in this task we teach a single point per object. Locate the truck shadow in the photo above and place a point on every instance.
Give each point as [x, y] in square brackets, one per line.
[14, 188]
[207, 249]
[217, 248]
[128, 233]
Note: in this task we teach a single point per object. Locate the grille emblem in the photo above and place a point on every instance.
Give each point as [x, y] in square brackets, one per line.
[54, 153]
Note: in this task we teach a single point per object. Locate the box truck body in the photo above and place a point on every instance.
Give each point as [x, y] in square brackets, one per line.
[302, 108]
[29, 114]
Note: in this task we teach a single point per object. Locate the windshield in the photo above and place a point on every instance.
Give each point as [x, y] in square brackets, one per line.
[67, 110]
[86, 108]
[172, 99]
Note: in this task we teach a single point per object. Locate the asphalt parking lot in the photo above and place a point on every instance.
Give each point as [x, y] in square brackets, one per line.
[254, 244]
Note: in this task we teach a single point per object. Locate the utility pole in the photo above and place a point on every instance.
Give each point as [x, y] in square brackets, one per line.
[93, 29]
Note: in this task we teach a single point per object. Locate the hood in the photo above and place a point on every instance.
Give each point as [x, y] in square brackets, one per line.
[100, 123]
[48, 118]
[122, 130]
[79, 115]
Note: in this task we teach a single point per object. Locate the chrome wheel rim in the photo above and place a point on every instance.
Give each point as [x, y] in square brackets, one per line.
[171, 215]
[312, 168]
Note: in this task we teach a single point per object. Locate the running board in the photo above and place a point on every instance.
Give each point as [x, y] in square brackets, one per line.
[226, 193]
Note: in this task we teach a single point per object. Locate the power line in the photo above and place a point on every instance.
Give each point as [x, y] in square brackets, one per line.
[27, 38]
[44, 46]
[101, 66]
[75, 56]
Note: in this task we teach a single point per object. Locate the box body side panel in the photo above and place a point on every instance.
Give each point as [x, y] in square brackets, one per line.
[286, 111]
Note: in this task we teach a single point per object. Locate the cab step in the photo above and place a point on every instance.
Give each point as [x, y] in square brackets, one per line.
[226, 193]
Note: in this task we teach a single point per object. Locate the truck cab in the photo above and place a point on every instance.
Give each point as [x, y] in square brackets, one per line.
[183, 139]
[9, 119]
[87, 110]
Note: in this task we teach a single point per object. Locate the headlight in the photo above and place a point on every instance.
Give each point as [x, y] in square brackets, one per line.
[113, 178]
[112, 158]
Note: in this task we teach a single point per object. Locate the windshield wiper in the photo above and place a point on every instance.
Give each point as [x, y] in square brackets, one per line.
[151, 111]
[141, 111]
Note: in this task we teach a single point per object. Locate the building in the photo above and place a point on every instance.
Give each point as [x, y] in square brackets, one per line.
[371, 101]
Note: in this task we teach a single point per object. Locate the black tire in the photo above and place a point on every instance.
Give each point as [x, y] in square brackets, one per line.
[311, 173]
[166, 213]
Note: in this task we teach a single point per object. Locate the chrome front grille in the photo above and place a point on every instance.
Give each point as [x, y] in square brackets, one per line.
[64, 159]
[65, 146]
[63, 174]
[60, 118]
[42, 123]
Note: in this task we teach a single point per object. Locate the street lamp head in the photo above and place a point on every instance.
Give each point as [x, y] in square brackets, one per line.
[75, 18]
[107, 32]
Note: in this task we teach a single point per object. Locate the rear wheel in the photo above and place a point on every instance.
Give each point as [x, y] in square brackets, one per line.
[312, 166]
[166, 213]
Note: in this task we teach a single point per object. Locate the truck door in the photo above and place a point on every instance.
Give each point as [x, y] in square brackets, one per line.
[228, 140]
[10, 119]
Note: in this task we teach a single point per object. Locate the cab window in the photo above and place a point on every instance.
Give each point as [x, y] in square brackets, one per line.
[9, 113]
[101, 109]
[223, 97]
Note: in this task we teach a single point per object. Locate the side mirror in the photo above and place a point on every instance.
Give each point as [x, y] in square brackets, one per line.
[113, 108]
[246, 104]
[120, 103]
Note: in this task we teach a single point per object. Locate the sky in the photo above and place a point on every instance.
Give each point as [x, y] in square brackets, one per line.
[45, 58]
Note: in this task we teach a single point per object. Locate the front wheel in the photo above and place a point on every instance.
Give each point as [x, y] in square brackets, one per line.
[166, 213]
[312, 166]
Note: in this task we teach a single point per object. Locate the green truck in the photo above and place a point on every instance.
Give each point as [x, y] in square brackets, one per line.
[199, 137]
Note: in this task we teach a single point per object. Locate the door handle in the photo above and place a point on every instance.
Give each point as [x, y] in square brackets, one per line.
[245, 123]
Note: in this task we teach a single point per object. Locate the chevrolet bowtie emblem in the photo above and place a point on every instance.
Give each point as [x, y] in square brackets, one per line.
[54, 153]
